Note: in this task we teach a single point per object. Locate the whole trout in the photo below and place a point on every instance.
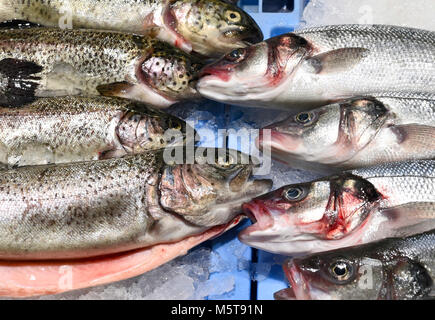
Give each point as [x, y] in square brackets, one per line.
[209, 27]
[88, 209]
[313, 67]
[45, 62]
[70, 129]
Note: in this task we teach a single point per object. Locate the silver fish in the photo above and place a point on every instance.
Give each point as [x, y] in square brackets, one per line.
[355, 133]
[209, 27]
[355, 207]
[313, 67]
[70, 129]
[95, 208]
[390, 269]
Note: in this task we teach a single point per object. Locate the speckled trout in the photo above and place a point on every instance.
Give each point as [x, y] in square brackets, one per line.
[73, 128]
[45, 62]
[95, 208]
[209, 27]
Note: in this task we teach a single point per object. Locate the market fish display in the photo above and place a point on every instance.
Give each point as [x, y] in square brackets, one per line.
[390, 269]
[70, 129]
[52, 62]
[95, 208]
[355, 207]
[355, 133]
[208, 27]
[313, 67]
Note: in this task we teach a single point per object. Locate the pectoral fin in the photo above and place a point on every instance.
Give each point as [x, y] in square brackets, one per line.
[418, 137]
[411, 218]
[18, 82]
[334, 61]
[116, 89]
[25, 279]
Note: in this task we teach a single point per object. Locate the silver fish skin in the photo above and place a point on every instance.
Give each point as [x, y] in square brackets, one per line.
[343, 210]
[208, 27]
[390, 269]
[71, 129]
[313, 67]
[95, 208]
[47, 62]
[354, 133]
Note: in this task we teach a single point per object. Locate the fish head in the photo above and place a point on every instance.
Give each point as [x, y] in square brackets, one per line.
[212, 27]
[142, 128]
[310, 217]
[168, 73]
[212, 190]
[333, 276]
[250, 75]
[329, 135]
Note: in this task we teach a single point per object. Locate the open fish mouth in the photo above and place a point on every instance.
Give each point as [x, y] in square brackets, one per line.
[259, 215]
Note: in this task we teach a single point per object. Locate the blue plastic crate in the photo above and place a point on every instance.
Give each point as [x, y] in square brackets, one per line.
[274, 17]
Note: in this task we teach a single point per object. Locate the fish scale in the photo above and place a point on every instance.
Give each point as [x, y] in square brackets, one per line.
[202, 26]
[313, 67]
[389, 269]
[395, 54]
[71, 129]
[94, 208]
[351, 208]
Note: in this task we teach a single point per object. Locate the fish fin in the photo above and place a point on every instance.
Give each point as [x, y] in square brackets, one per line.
[110, 154]
[116, 89]
[17, 82]
[284, 294]
[339, 60]
[418, 137]
[411, 218]
[33, 278]
[18, 24]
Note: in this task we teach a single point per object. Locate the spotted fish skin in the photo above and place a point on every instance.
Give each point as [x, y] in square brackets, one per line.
[95, 208]
[89, 62]
[208, 27]
[70, 129]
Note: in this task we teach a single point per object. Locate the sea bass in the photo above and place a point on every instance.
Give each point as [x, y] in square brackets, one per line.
[88, 209]
[390, 269]
[351, 208]
[208, 27]
[355, 133]
[313, 67]
[70, 129]
[52, 62]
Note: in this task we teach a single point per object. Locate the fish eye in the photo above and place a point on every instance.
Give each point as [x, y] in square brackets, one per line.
[226, 163]
[294, 193]
[236, 55]
[304, 117]
[174, 125]
[341, 270]
[232, 16]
